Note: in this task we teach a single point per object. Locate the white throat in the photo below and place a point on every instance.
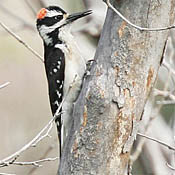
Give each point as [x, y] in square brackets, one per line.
[65, 34]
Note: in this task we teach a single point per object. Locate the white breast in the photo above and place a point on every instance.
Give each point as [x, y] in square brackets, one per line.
[75, 67]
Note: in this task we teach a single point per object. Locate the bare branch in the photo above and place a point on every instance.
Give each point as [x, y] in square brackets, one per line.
[6, 174]
[165, 94]
[172, 168]
[36, 163]
[141, 142]
[11, 159]
[167, 65]
[4, 85]
[43, 157]
[158, 141]
[8, 162]
[17, 28]
[165, 102]
[40, 136]
[43, 136]
[133, 25]
[21, 41]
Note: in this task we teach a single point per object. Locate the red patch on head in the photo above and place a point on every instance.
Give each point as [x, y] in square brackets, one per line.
[42, 13]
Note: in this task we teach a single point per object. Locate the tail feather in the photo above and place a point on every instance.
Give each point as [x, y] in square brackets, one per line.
[59, 126]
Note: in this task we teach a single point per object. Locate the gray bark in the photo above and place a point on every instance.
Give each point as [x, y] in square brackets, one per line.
[107, 113]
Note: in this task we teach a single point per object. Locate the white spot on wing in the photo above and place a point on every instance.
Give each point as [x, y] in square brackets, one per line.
[56, 103]
[55, 70]
[59, 94]
[57, 81]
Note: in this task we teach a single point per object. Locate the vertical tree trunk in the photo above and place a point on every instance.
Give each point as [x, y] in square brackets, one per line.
[109, 108]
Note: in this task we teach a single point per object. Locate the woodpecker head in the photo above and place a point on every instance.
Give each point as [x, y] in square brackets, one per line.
[52, 19]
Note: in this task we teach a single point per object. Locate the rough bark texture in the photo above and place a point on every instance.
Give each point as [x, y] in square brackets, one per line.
[109, 108]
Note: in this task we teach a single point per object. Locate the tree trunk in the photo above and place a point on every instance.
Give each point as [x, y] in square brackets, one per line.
[107, 113]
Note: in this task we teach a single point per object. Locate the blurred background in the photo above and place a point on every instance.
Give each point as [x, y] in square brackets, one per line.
[24, 104]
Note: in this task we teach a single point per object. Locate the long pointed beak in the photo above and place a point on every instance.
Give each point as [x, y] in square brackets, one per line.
[76, 16]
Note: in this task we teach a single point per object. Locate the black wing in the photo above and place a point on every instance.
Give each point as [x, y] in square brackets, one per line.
[55, 66]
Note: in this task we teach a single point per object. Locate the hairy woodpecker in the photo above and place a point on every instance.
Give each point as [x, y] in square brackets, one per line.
[64, 64]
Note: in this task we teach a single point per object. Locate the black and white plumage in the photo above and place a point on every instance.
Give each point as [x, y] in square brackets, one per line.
[64, 64]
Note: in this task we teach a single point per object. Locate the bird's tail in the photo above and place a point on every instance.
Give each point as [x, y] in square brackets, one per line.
[59, 125]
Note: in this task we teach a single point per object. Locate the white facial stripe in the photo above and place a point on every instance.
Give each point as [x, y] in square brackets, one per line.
[58, 24]
[53, 13]
[44, 30]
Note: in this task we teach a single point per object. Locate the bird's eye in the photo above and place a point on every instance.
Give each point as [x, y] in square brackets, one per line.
[58, 17]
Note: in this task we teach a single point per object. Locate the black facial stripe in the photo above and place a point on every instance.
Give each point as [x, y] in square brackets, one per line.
[50, 21]
[58, 17]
